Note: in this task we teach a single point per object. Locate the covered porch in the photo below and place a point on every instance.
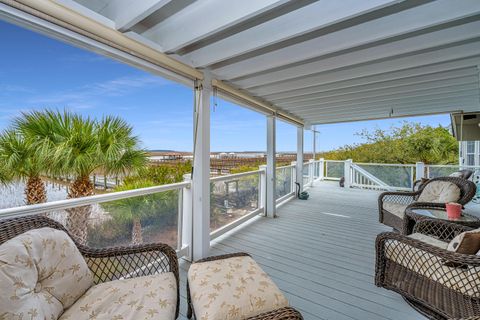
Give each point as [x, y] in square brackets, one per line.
[303, 62]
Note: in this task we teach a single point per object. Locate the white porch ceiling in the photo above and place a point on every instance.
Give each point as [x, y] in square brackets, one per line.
[323, 61]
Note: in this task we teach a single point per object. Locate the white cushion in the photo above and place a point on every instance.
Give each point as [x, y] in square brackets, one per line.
[397, 209]
[463, 280]
[41, 273]
[430, 240]
[440, 192]
[149, 297]
[235, 288]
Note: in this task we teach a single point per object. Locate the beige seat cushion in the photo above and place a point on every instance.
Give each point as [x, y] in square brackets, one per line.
[41, 273]
[440, 192]
[397, 209]
[234, 288]
[430, 240]
[463, 280]
[149, 297]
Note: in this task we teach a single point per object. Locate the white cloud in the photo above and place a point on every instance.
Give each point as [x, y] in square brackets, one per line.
[88, 95]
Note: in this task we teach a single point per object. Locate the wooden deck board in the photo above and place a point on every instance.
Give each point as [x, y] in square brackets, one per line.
[320, 253]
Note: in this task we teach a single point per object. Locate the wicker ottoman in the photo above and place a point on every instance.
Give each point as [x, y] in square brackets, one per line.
[234, 287]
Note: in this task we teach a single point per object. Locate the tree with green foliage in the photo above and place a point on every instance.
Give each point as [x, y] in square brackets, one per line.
[406, 144]
[78, 146]
[19, 162]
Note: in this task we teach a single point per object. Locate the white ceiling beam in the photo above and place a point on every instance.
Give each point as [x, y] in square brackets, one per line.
[385, 51]
[204, 18]
[304, 20]
[439, 98]
[400, 110]
[408, 90]
[364, 84]
[128, 13]
[412, 20]
[414, 61]
[385, 114]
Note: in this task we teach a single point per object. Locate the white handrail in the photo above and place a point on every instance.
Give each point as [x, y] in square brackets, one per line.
[235, 175]
[364, 173]
[84, 201]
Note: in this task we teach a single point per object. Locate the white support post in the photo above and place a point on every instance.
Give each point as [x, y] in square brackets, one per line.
[419, 170]
[187, 215]
[311, 171]
[299, 175]
[321, 170]
[262, 188]
[201, 171]
[270, 205]
[348, 173]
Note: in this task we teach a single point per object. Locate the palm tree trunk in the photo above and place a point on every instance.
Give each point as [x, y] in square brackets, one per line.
[35, 191]
[137, 237]
[77, 221]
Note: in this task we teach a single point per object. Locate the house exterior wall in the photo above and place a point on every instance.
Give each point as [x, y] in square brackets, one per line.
[469, 153]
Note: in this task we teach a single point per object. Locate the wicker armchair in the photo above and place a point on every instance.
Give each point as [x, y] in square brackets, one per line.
[401, 200]
[285, 313]
[464, 174]
[109, 263]
[438, 283]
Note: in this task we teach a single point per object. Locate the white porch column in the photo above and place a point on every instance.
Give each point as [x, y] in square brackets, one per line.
[201, 171]
[299, 175]
[419, 170]
[348, 173]
[270, 204]
[321, 170]
[262, 188]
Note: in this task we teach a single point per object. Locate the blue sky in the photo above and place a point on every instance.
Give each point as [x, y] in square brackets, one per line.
[37, 72]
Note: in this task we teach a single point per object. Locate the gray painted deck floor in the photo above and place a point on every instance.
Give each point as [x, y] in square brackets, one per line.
[320, 253]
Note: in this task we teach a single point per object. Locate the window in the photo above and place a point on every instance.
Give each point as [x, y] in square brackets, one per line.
[470, 153]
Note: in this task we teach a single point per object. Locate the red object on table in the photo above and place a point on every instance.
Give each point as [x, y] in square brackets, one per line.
[454, 210]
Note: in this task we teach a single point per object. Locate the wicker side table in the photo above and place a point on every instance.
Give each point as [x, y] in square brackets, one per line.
[413, 215]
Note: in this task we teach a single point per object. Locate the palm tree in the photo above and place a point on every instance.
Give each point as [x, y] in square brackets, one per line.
[20, 161]
[78, 146]
[134, 209]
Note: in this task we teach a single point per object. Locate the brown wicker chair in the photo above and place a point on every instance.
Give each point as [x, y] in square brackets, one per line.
[286, 313]
[467, 192]
[109, 263]
[464, 174]
[436, 282]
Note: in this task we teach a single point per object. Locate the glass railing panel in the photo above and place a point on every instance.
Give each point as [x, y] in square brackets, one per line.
[396, 176]
[283, 181]
[334, 169]
[232, 197]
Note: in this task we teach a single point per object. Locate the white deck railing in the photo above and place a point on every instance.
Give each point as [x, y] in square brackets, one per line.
[235, 199]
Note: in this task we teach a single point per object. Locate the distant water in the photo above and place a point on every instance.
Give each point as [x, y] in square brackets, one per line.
[13, 195]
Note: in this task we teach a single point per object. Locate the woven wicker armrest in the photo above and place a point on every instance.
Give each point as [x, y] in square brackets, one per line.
[287, 313]
[398, 197]
[133, 261]
[442, 230]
